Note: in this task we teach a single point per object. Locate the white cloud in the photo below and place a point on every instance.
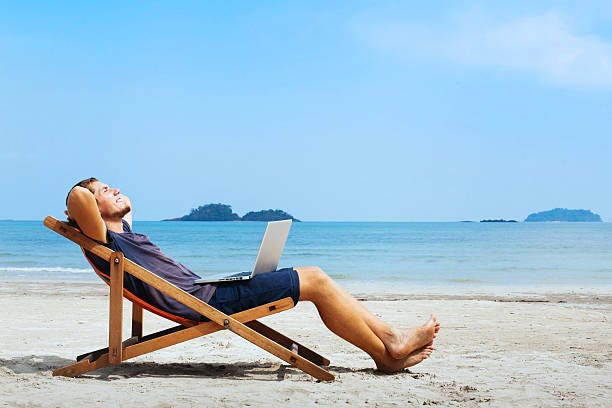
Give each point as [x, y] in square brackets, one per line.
[541, 44]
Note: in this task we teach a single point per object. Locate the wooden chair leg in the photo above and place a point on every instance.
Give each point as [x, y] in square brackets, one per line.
[115, 326]
[137, 320]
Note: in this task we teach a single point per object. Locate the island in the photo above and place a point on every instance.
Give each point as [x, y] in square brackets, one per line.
[564, 215]
[499, 220]
[268, 215]
[224, 212]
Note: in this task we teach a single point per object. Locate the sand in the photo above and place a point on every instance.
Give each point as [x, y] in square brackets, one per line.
[526, 349]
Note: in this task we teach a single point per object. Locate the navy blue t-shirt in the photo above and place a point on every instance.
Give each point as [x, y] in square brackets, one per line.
[140, 250]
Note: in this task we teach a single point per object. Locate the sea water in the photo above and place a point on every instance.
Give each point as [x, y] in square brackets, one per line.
[453, 254]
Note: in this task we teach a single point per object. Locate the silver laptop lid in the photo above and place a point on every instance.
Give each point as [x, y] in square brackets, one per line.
[272, 246]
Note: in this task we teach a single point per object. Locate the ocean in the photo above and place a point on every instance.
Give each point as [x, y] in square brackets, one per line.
[450, 254]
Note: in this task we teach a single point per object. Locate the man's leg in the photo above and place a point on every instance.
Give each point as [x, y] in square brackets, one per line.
[391, 348]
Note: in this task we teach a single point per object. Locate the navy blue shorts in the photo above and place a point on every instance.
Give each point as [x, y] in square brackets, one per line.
[233, 297]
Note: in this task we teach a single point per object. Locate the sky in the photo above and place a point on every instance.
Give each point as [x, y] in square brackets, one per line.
[331, 111]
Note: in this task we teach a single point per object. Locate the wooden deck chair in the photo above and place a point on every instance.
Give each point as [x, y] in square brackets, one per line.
[243, 323]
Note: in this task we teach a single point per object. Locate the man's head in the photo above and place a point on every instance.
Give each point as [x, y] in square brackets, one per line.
[111, 203]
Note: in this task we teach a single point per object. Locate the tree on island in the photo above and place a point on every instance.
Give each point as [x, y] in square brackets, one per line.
[267, 215]
[210, 212]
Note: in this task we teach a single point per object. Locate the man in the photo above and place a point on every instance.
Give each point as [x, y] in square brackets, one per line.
[105, 215]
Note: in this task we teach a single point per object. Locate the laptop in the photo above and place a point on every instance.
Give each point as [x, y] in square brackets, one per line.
[270, 251]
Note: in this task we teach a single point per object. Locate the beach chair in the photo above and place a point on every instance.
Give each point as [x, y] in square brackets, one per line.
[244, 324]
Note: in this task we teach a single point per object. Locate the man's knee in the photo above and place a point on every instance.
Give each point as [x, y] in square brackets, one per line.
[312, 273]
[313, 281]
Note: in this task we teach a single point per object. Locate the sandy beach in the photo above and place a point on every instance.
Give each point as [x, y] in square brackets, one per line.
[515, 349]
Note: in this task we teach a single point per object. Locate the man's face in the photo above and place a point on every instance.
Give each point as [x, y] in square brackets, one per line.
[111, 203]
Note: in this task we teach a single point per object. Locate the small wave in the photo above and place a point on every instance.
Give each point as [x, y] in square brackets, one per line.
[44, 269]
[339, 276]
[464, 280]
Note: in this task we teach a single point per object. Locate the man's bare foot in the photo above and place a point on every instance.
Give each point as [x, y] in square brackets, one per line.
[414, 358]
[402, 342]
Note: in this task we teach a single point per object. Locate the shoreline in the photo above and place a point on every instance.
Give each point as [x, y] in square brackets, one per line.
[383, 291]
[529, 349]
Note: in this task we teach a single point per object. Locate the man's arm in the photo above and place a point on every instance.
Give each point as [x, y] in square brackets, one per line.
[83, 209]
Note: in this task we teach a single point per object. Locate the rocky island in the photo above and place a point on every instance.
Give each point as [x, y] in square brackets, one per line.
[564, 215]
[223, 212]
[267, 215]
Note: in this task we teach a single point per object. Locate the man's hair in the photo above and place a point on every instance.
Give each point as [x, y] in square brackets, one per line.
[83, 183]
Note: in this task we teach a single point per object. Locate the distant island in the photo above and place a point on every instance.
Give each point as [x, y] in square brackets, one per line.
[267, 215]
[564, 215]
[499, 220]
[223, 212]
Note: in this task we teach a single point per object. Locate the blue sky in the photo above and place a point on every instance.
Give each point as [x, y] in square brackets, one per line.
[356, 110]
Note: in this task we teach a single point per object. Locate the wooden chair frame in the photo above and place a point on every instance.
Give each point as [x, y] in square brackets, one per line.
[244, 324]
